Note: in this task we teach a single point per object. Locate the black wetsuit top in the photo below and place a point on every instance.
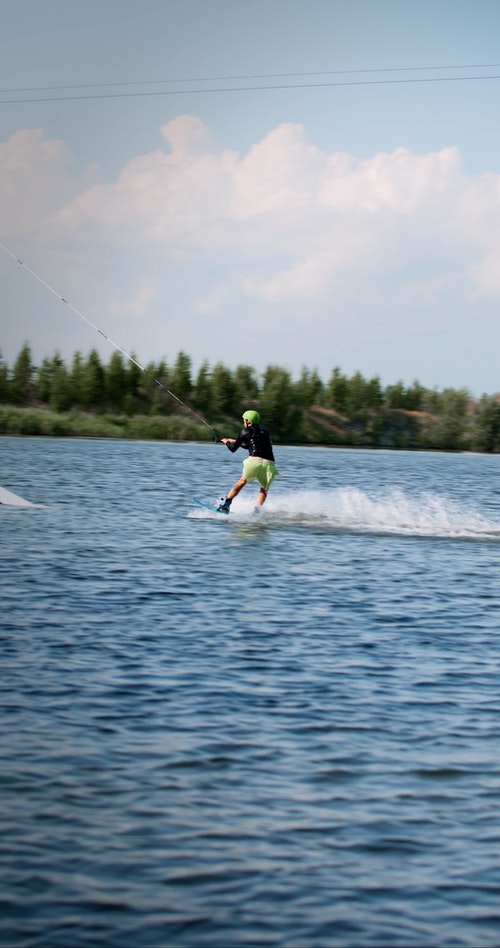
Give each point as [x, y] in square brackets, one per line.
[257, 440]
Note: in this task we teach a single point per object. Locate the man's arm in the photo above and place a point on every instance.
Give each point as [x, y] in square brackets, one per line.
[234, 443]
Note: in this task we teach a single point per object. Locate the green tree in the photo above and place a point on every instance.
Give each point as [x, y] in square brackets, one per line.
[151, 385]
[132, 385]
[279, 410]
[356, 394]
[4, 380]
[430, 401]
[450, 430]
[21, 387]
[201, 389]
[411, 399]
[374, 396]
[93, 393]
[54, 384]
[180, 377]
[160, 383]
[336, 392]
[415, 397]
[246, 387]
[309, 389]
[488, 425]
[222, 392]
[76, 376]
[43, 380]
[116, 382]
[395, 395]
[61, 396]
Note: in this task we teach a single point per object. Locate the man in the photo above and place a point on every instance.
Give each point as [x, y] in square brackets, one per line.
[259, 465]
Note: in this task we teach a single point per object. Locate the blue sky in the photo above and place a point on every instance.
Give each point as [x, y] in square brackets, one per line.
[255, 183]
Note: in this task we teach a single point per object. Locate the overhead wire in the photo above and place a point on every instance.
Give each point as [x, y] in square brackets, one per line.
[270, 75]
[139, 93]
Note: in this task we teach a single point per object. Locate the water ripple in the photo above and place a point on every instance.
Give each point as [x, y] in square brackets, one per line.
[219, 733]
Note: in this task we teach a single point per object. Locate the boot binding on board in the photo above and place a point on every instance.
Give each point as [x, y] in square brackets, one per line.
[224, 506]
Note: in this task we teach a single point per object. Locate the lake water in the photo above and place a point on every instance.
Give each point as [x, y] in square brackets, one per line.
[274, 730]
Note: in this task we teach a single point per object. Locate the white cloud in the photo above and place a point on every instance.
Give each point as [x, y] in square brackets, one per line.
[307, 280]
[175, 197]
[211, 302]
[279, 174]
[475, 217]
[32, 172]
[36, 181]
[399, 182]
[300, 218]
[282, 234]
[137, 305]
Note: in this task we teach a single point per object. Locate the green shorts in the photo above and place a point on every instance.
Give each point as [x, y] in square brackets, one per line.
[259, 469]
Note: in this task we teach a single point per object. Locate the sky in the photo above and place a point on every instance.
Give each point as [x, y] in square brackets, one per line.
[298, 183]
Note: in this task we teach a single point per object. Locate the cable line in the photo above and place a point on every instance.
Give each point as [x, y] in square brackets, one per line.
[269, 87]
[276, 75]
[115, 345]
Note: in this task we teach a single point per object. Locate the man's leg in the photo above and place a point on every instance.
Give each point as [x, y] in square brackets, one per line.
[235, 489]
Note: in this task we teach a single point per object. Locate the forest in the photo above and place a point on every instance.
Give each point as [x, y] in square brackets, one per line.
[90, 398]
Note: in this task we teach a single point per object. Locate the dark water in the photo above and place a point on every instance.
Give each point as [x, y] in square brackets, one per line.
[234, 731]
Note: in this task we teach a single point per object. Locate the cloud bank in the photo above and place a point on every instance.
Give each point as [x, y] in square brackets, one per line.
[296, 237]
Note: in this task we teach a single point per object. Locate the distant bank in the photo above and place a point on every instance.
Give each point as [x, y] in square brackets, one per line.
[395, 429]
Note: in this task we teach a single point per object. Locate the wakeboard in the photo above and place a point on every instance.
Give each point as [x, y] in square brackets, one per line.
[208, 506]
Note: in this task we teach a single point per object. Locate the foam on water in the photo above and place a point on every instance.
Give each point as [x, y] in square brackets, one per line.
[353, 510]
[389, 512]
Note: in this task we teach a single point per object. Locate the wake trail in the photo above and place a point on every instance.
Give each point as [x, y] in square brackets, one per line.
[392, 512]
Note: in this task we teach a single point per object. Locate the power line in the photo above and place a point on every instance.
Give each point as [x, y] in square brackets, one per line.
[271, 75]
[247, 88]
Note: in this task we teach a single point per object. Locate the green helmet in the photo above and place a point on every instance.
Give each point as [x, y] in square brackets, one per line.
[252, 417]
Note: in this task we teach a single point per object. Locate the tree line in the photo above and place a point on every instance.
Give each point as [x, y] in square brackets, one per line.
[343, 410]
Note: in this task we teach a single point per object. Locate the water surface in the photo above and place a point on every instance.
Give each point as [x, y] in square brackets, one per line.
[278, 730]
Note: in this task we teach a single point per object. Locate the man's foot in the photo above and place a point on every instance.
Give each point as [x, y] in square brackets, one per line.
[224, 506]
